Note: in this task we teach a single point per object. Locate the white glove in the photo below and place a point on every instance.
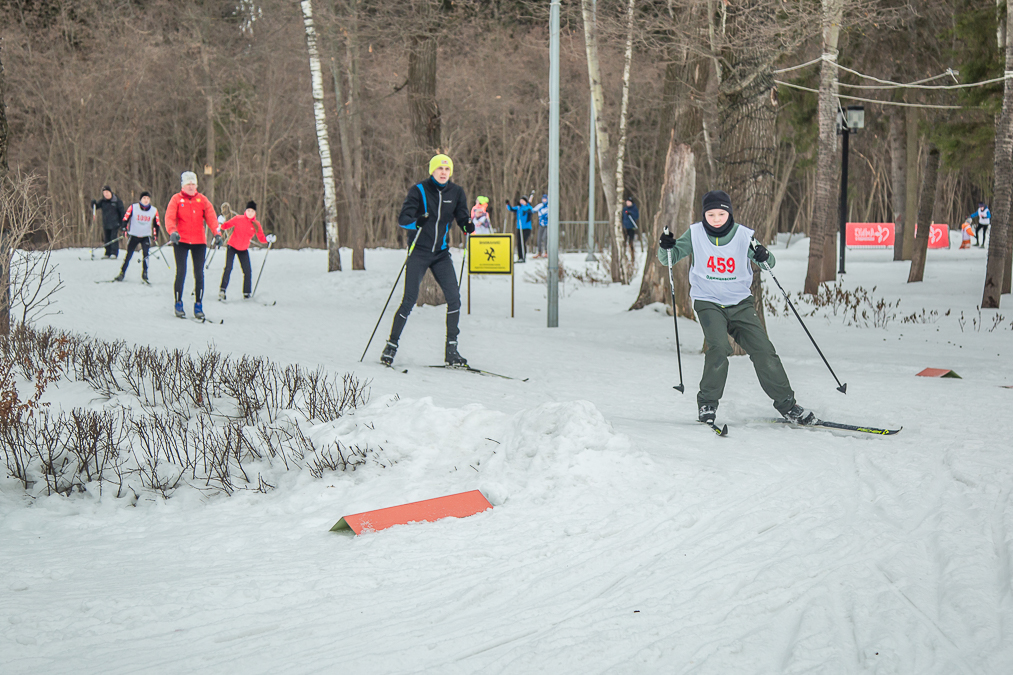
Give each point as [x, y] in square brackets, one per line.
[271, 239]
[221, 219]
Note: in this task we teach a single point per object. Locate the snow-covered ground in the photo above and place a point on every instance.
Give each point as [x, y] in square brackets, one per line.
[625, 538]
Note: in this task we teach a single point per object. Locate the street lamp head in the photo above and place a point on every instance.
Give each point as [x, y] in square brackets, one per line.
[856, 117]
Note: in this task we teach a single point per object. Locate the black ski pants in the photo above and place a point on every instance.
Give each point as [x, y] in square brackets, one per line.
[419, 262]
[196, 253]
[132, 244]
[979, 233]
[111, 240]
[244, 261]
[522, 244]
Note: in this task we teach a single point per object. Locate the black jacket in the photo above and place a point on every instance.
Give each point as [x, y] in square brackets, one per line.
[431, 216]
[112, 211]
[631, 214]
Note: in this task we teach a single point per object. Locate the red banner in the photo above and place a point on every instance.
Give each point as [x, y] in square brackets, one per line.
[882, 235]
[870, 234]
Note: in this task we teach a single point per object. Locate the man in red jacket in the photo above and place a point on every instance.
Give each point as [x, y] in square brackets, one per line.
[185, 218]
[243, 228]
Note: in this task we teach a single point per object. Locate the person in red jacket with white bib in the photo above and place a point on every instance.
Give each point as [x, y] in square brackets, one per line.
[185, 218]
[243, 228]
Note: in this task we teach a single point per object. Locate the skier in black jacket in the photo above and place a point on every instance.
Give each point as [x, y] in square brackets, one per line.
[112, 216]
[428, 211]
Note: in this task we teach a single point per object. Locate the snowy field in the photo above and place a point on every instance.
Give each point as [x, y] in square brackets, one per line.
[625, 538]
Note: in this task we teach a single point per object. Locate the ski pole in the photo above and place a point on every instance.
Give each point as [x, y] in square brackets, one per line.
[392, 289]
[269, 245]
[111, 241]
[464, 262]
[843, 388]
[675, 315]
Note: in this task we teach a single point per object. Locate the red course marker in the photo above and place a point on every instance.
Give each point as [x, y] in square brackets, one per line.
[938, 372]
[461, 505]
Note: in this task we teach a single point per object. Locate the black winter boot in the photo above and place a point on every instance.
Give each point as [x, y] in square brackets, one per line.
[708, 414]
[798, 415]
[454, 358]
[389, 351]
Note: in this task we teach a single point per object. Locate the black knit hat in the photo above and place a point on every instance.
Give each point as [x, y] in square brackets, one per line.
[251, 205]
[145, 194]
[717, 199]
[106, 188]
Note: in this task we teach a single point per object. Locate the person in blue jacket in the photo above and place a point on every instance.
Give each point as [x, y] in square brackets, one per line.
[429, 211]
[980, 219]
[631, 214]
[523, 211]
[542, 209]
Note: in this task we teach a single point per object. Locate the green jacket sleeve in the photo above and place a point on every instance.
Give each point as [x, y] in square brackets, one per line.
[683, 248]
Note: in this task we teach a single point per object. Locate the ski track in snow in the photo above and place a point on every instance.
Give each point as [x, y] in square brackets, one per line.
[625, 538]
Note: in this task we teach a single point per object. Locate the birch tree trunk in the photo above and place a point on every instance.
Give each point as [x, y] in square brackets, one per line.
[625, 260]
[926, 202]
[355, 224]
[323, 143]
[997, 269]
[822, 225]
[898, 180]
[601, 129]
[676, 211]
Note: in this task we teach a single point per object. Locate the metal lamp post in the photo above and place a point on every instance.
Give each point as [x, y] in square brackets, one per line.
[552, 315]
[849, 121]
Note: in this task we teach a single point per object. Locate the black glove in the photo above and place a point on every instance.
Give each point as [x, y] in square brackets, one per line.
[468, 227]
[94, 203]
[760, 253]
[508, 202]
[174, 238]
[218, 240]
[667, 240]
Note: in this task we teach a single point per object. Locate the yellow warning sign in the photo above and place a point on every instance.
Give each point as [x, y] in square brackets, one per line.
[490, 254]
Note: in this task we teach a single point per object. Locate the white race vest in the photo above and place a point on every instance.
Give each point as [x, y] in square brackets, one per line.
[984, 217]
[141, 221]
[720, 274]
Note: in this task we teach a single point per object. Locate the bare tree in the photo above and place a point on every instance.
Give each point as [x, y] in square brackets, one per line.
[898, 179]
[926, 202]
[997, 270]
[323, 141]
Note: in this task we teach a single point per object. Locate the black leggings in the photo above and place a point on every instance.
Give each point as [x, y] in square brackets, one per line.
[419, 263]
[145, 244]
[197, 253]
[522, 243]
[244, 262]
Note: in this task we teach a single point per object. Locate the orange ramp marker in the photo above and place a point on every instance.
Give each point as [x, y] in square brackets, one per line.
[938, 372]
[461, 505]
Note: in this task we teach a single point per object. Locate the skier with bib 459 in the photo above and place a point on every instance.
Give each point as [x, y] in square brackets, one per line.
[428, 211]
[720, 276]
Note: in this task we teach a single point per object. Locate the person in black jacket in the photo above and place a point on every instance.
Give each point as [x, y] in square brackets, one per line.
[631, 214]
[112, 216]
[428, 211]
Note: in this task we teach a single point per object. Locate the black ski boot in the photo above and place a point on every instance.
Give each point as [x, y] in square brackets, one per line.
[144, 276]
[389, 351]
[119, 277]
[221, 294]
[454, 358]
[708, 414]
[798, 415]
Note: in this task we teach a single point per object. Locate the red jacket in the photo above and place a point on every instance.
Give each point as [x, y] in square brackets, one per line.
[244, 230]
[188, 216]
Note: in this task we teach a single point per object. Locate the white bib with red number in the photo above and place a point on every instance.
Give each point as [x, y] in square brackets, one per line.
[141, 222]
[720, 274]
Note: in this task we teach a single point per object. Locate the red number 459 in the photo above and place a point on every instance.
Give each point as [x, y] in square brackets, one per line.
[721, 265]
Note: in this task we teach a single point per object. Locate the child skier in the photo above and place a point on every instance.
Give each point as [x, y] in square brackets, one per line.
[480, 216]
[720, 277]
[542, 209]
[185, 218]
[523, 211]
[142, 227]
[966, 234]
[243, 228]
[428, 211]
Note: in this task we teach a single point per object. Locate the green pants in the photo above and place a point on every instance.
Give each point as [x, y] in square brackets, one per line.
[739, 321]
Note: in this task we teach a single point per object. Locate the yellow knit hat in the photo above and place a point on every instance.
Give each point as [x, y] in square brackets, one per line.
[441, 160]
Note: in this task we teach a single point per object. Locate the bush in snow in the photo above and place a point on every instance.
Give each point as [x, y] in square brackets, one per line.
[171, 419]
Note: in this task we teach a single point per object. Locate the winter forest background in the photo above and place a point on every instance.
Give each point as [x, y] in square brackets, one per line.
[131, 93]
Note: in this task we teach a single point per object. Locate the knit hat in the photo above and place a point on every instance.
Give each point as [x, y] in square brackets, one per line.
[483, 200]
[106, 188]
[188, 178]
[545, 197]
[251, 205]
[145, 194]
[717, 199]
[441, 160]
